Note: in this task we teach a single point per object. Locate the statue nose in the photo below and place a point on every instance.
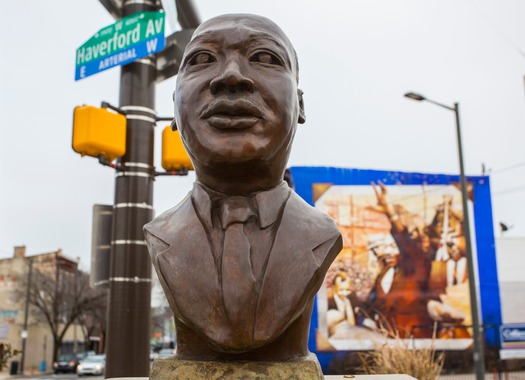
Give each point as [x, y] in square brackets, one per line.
[232, 79]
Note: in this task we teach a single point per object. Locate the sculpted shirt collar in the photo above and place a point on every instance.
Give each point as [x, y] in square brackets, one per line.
[268, 203]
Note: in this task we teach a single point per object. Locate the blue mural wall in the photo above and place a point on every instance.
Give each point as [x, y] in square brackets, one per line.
[305, 177]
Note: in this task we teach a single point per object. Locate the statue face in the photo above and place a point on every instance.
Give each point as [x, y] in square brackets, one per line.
[236, 99]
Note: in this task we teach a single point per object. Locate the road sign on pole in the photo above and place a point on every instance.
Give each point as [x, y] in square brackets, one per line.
[125, 41]
[512, 335]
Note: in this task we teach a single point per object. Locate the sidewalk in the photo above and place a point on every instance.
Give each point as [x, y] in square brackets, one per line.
[5, 375]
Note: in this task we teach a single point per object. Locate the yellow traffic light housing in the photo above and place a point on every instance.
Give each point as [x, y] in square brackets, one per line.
[99, 132]
[174, 156]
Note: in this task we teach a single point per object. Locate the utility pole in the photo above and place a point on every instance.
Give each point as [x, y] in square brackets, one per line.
[128, 331]
[127, 346]
[478, 354]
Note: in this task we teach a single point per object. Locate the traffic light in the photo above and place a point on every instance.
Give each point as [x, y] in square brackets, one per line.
[174, 156]
[99, 132]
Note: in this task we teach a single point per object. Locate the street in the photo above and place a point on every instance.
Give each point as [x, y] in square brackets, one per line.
[67, 376]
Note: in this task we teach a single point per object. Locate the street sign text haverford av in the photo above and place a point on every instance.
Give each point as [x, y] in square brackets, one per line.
[130, 38]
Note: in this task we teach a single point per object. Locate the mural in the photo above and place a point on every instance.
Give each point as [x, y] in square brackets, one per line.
[403, 267]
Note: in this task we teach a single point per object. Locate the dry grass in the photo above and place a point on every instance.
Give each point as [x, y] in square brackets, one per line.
[397, 357]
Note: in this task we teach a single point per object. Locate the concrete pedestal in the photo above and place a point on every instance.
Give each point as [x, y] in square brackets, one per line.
[330, 377]
[172, 368]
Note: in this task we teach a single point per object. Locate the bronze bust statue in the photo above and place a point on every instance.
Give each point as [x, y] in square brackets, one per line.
[242, 256]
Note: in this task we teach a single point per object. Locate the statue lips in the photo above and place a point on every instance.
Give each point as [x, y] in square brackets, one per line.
[232, 114]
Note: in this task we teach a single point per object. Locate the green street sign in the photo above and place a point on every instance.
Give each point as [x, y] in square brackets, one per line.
[129, 39]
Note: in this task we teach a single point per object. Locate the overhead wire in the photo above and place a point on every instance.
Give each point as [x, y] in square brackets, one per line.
[521, 52]
[514, 45]
[510, 167]
[509, 190]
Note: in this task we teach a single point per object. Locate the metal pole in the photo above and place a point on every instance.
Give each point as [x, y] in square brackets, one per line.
[55, 305]
[479, 360]
[187, 14]
[128, 330]
[26, 312]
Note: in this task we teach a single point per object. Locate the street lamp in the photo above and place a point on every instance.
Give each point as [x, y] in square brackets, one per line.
[479, 362]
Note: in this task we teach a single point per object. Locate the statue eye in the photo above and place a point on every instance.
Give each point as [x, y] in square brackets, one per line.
[201, 58]
[266, 58]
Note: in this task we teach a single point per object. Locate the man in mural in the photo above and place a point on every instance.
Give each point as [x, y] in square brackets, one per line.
[418, 277]
[342, 304]
[446, 237]
[449, 271]
[398, 297]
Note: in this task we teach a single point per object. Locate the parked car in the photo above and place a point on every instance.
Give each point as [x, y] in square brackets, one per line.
[85, 354]
[92, 365]
[165, 352]
[66, 363]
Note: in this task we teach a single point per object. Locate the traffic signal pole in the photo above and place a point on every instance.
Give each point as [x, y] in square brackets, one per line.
[129, 303]
[128, 329]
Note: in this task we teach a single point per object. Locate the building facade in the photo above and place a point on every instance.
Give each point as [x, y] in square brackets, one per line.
[50, 272]
[511, 263]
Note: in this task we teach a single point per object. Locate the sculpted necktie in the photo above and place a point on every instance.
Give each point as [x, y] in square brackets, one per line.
[238, 281]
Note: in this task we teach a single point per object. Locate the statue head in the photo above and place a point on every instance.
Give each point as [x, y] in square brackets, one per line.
[237, 102]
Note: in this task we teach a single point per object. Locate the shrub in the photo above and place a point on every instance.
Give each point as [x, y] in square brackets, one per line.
[398, 356]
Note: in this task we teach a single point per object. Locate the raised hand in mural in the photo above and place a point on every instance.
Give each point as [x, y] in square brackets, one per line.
[384, 205]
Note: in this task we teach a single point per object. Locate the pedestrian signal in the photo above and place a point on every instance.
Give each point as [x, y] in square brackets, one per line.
[99, 132]
[174, 156]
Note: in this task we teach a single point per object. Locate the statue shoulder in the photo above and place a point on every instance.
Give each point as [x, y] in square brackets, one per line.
[309, 217]
[315, 229]
[163, 226]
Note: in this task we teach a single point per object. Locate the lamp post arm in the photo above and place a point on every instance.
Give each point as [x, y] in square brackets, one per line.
[455, 108]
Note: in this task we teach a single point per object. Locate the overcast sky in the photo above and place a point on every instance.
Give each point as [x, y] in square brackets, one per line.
[357, 59]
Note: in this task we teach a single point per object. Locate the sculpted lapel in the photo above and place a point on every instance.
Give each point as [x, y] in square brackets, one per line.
[189, 270]
[295, 264]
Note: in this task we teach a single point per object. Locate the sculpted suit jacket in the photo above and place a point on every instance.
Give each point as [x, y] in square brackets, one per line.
[305, 243]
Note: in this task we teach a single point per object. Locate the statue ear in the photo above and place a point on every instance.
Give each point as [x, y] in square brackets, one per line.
[174, 121]
[302, 115]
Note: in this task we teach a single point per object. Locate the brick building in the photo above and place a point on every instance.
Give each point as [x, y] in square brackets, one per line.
[14, 277]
